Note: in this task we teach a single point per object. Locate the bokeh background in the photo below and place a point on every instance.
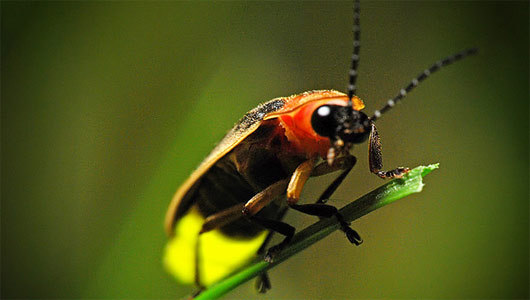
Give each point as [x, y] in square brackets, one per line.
[108, 106]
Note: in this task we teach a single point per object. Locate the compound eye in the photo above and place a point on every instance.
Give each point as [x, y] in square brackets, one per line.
[323, 121]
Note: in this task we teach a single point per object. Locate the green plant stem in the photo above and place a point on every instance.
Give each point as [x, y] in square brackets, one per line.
[386, 194]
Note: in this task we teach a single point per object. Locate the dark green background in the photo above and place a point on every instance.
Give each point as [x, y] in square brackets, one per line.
[108, 106]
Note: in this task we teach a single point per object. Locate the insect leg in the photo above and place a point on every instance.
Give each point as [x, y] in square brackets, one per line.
[197, 278]
[345, 164]
[260, 200]
[222, 218]
[252, 207]
[320, 209]
[276, 226]
[298, 180]
[263, 283]
[328, 211]
[375, 158]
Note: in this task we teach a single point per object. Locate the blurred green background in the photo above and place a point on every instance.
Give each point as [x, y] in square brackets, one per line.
[108, 106]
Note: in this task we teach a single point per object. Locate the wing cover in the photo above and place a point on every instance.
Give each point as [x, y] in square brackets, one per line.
[246, 126]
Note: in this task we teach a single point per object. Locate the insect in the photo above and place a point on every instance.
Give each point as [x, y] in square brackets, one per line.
[226, 211]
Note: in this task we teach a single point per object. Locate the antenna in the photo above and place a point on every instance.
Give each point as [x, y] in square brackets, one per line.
[356, 48]
[414, 83]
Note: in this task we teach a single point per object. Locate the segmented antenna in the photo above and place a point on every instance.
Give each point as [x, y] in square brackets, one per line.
[414, 83]
[356, 48]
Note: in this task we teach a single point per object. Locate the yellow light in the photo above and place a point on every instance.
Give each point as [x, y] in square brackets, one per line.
[220, 255]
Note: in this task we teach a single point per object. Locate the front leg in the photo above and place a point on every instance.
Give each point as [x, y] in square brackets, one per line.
[375, 158]
[298, 180]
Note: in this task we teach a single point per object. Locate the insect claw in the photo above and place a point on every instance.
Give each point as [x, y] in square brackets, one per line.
[263, 283]
[271, 253]
[353, 236]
